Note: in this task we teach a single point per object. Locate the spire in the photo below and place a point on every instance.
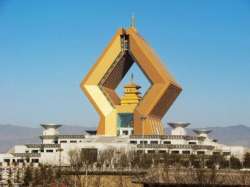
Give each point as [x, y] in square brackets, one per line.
[132, 24]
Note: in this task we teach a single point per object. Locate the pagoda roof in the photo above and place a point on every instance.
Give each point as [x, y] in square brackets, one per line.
[132, 85]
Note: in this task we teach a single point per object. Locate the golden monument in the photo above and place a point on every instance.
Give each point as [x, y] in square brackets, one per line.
[143, 114]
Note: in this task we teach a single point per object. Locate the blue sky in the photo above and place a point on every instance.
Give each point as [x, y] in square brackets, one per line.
[46, 48]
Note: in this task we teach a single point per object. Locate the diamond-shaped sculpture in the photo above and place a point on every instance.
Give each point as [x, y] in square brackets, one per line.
[128, 47]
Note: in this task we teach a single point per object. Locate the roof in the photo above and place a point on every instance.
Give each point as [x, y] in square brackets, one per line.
[55, 126]
[202, 131]
[91, 132]
[178, 124]
[132, 85]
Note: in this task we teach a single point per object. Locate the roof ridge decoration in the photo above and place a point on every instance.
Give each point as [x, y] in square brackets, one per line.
[128, 47]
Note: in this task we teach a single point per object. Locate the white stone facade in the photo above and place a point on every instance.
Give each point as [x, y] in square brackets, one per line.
[54, 148]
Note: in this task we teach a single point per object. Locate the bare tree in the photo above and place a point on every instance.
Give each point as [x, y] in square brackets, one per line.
[105, 158]
[28, 177]
[235, 163]
[247, 160]
[76, 164]
[10, 177]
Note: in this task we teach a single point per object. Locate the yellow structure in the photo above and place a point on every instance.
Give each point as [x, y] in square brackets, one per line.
[143, 114]
[131, 94]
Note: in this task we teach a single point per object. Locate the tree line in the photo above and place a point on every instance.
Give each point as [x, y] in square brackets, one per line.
[83, 161]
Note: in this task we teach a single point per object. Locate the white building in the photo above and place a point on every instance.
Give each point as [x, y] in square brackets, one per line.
[55, 147]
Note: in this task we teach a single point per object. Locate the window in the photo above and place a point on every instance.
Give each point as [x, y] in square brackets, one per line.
[63, 141]
[226, 153]
[175, 152]
[34, 160]
[151, 151]
[200, 152]
[133, 142]
[34, 151]
[162, 151]
[167, 142]
[7, 161]
[192, 143]
[125, 120]
[154, 142]
[125, 132]
[186, 152]
[73, 141]
[89, 154]
[49, 150]
[20, 160]
[143, 142]
[216, 153]
[139, 151]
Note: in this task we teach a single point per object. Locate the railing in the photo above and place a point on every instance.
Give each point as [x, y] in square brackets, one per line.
[175, 146]
[26, 154]
[62, 136]
[166, 137]
[104, 172]
[42, 145]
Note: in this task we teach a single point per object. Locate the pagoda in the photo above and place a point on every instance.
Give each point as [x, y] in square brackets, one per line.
[131, 94]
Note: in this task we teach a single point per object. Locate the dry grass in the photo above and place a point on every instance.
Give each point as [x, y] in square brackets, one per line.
[108, 181]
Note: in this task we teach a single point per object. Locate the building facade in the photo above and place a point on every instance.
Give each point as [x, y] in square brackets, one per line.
[54, 148]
